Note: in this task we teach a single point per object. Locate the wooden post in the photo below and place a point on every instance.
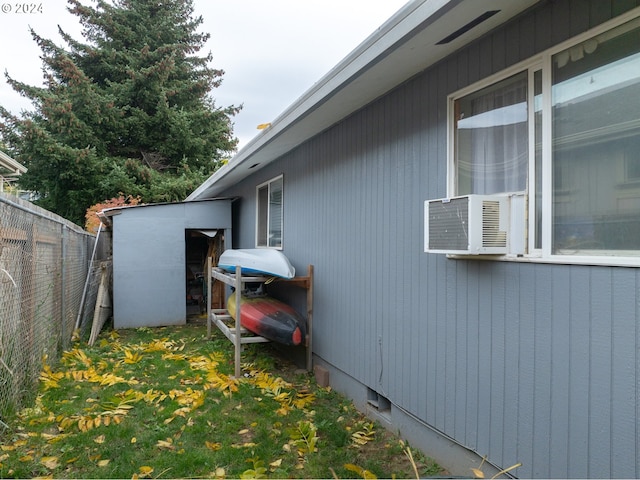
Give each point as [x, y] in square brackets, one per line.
[208, 281]
[310, 319]
[238, 336]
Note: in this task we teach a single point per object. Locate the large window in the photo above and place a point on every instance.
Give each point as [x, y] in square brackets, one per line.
[269, 214]
[596, 144]
[564, 129]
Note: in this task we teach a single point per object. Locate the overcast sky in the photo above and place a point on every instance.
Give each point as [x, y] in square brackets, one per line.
[272, 51]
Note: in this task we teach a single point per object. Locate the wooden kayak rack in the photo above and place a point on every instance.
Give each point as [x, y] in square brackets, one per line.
[232, 329]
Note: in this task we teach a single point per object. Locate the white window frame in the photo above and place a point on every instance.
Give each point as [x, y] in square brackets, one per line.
[541, 62]
[267, 220]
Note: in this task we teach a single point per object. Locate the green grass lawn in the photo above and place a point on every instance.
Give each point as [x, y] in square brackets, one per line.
[160, 403]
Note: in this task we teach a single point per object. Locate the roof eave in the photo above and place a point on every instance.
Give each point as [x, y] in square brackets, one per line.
[10, 164]
[384, 60]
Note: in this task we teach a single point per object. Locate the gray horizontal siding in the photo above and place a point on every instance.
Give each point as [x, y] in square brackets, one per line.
[528, 363]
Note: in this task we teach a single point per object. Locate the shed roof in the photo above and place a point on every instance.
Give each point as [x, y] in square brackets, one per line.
[106, 214]
[420, 34]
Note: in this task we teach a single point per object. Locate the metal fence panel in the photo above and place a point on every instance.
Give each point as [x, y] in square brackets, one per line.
[44, 263]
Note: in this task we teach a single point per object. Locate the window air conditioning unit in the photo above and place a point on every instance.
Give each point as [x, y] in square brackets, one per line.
[467, 225]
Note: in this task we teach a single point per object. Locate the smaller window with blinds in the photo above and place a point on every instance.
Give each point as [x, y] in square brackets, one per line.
[269, 196]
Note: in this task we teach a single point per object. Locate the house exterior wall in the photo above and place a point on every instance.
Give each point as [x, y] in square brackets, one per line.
[149, 287]
[521, 362]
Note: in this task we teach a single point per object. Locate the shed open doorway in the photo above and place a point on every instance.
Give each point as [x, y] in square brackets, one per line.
[199, 245]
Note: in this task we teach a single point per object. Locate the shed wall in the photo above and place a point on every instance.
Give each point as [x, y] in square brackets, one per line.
[149, 288]
[531, 363]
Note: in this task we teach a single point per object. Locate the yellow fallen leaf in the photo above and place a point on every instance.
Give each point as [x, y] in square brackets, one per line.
[49, 462]
[477, 472]
[82, 424]
[213, 445]
[220, 472]
[146, 470]
[131, 357]
[134, 439]
[366, 474]
[103, 463]
[26, 458]
[99, 439]
[168, 443]
[276, 464]
[243, 431]
[182, 412]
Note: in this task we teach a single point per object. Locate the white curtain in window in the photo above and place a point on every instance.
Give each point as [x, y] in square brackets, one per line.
[275, 213]
[492, 138]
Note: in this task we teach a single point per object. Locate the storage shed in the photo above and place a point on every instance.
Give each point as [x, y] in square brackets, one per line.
[159, 255]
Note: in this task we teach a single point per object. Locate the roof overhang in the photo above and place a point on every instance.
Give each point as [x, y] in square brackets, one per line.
[10, 164]
[402, 47]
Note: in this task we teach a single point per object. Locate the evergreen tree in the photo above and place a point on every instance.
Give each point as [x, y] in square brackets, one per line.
[128, 111]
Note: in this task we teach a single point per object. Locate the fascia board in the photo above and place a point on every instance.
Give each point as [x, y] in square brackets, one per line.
[9, 163]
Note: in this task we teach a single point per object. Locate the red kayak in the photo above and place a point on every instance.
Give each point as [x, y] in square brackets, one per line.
[269, 318]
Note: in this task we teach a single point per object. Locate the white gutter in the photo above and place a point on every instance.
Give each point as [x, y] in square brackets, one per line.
[10, 164]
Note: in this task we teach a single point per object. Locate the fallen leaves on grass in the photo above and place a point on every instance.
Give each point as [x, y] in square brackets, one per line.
[222, 382]
[363, 436]
[215, 446]
[123, 378]
[50, 379]
[360, 471]
[304, 437]
[166, 444]
[131, 357]
[50, 462]
[144, 472]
